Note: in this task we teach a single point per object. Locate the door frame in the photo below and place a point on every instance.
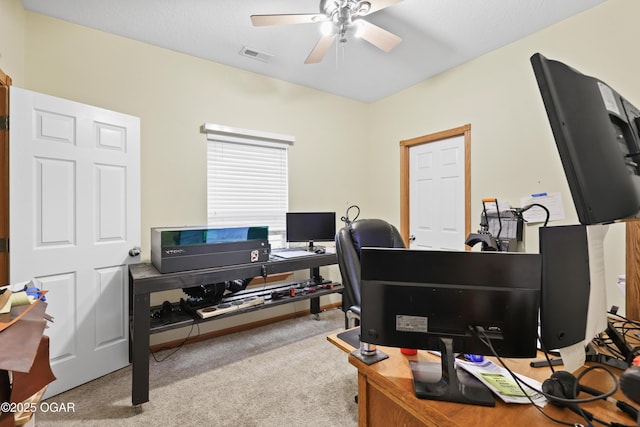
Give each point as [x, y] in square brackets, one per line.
[5, 82]
[405, 201]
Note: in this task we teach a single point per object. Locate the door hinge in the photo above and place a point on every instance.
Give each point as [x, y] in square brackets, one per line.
[4, 244]
[4, 123]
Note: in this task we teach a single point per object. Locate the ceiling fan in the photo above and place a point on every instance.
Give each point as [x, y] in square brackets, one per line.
[338, 17]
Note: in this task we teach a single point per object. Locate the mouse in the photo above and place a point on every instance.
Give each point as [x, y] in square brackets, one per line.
[319, 251]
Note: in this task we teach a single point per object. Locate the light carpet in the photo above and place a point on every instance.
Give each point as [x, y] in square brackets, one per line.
[286, 373]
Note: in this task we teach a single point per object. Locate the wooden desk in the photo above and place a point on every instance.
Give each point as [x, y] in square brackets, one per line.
[386, 398]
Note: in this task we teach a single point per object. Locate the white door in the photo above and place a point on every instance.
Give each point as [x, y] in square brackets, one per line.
[74, 216]
[437, 195]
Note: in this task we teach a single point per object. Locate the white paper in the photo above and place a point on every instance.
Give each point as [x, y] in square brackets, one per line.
[487, 366]
[597, 314]
[490, 207]
[573, 357]
[552, 201]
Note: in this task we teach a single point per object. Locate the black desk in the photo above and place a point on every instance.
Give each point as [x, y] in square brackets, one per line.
[145, 279]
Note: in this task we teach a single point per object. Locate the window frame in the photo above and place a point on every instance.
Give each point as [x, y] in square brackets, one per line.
[220, 134]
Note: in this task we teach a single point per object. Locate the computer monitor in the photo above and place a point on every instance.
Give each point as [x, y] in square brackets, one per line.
[596, 133]
[441, 300]
[311, 227]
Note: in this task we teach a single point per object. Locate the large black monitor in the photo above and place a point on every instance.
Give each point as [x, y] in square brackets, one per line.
[311, 227]
[445, 301]
[596, 133]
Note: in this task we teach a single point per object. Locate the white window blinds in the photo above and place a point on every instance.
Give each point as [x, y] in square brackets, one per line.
[247, 180]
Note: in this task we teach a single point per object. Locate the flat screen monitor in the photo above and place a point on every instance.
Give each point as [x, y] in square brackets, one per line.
[446, 301]
[596, 134]
[311, 227]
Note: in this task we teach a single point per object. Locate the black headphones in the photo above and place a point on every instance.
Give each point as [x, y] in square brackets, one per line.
[565, 386]
[562, 390]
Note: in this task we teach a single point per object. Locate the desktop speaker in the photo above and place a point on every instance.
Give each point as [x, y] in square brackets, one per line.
[565, 289]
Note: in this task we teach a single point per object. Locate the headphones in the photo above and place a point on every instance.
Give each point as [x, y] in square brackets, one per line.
[565, 386]
[562, 390]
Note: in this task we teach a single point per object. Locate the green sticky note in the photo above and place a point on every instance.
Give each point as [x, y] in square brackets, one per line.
[505, 386]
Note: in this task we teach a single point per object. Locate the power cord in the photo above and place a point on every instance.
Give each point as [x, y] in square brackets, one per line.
[179, 346]
[519, 212]
[346, 219]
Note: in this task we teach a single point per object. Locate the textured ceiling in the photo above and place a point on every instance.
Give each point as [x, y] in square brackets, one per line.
[437, 35]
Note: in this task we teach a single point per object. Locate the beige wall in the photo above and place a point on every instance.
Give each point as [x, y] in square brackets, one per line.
[12, 31]
[174, 94]
[356, 144]
[512, 149]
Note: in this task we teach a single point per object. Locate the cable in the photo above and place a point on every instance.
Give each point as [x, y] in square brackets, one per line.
[487, 341]
[179, 346]
[574, 402]
[346, 219]
[546, 353]
[527, 207]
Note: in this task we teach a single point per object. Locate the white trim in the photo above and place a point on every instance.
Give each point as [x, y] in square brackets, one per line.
[230, 134]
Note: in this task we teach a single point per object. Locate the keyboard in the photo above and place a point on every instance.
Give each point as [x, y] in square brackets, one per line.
[291, 254]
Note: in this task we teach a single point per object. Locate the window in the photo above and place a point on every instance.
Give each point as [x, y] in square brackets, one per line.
[247, 179]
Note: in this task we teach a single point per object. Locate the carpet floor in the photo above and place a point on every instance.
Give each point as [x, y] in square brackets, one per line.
[286, 373]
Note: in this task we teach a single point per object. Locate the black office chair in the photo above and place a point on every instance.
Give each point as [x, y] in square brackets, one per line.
[349, 240]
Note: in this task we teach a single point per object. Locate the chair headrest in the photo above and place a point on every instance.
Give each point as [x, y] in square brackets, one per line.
[374, 233]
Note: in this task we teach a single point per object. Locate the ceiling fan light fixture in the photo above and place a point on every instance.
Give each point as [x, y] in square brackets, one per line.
[363, 8]
[327, 28]
[340, 20]
[358, 26]
[329, 7]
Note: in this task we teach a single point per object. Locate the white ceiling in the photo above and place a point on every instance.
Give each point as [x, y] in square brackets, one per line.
[437, 35]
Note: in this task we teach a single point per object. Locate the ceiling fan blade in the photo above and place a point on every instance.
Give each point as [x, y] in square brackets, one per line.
[262, 20]
[380, 38]
[377, 5]
[320, 49]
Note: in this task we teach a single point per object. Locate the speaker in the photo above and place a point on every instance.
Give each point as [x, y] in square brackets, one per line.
[564, 299]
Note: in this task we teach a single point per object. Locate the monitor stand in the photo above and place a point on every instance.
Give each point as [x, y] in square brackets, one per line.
[311, 247]
[444, 382]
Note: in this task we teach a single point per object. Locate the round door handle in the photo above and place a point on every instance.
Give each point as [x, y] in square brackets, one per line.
[135, 251]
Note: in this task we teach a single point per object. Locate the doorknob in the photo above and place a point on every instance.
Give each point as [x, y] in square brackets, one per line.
[412, 238]
[135, 251]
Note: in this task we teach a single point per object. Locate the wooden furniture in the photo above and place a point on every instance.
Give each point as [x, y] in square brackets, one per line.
[5, 82]
[386, 397]
[632, 269]
[24, 364]
[145, 279]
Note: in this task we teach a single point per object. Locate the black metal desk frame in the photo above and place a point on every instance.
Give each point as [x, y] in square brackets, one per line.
[144, 279]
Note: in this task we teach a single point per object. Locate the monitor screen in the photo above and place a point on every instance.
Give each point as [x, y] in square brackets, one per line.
[596, 134]
[311, 227]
